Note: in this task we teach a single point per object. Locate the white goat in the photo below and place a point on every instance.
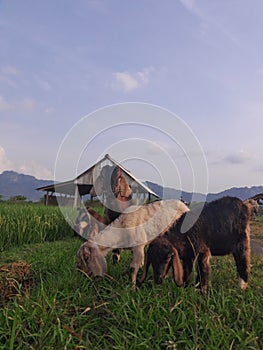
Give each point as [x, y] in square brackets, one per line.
[136, 227]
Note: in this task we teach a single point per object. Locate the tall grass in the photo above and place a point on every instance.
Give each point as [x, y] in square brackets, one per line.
[24, 224]
[64, 309]
[256, 227]
[57, 307]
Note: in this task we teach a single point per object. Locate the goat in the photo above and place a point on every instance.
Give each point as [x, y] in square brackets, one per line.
[162, 255]
[117, 192]
[116, 189]
[136, 227]
[222, 228]
[86, 220]
[89, 220]
[253, 206]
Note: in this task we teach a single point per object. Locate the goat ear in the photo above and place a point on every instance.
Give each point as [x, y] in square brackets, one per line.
[86, 251]
[178, 272]
[83, 256]
[94, 232]
[98, 264]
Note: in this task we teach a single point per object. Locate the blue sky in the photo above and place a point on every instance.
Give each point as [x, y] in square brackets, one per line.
[202, 60]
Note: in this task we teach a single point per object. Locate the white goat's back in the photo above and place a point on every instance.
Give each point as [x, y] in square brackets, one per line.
[140, 224]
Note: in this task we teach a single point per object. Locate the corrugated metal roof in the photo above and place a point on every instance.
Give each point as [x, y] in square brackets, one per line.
[68, 187]
[147, 189]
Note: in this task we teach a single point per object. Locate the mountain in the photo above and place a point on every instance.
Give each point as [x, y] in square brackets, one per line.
[240, 192]
[14, 184]
[170, 193]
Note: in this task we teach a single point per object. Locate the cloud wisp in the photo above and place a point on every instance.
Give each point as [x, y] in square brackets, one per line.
[235, 158]
[240, 157]
[208, 20]
[26, 104]
[128, 82]
[30, 167]
[5, 163]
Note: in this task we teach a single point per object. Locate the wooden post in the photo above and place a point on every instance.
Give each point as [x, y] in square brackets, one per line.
[46, 199]
[77, 197]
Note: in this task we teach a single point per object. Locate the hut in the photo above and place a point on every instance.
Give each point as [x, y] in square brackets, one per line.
[72, 192]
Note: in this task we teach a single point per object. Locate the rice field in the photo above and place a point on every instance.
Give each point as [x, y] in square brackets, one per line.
[26, 224]
[46, 304]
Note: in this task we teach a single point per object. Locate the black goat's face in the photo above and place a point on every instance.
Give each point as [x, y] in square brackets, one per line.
[160, 258]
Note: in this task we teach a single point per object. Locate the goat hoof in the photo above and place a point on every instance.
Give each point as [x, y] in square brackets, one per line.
[115, 259]
[242, 284]
[134, 287]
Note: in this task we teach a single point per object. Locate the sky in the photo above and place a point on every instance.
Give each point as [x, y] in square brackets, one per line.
[63, 62]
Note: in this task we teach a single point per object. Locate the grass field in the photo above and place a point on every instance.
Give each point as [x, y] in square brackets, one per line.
[47, 304]
[256, 228]
[20, 224]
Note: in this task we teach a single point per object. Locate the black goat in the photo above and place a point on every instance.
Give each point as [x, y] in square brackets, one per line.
[222, 228]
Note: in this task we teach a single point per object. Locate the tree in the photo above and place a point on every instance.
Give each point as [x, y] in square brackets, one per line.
[18, 198]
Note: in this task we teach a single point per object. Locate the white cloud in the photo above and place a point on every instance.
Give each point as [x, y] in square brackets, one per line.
[26, 104]
[5, 163]
[37, 170]
[9, 70]
[239, 158]
[157, 148]
[29, 168]
[235, 158]
[128, 82]
[125, 81]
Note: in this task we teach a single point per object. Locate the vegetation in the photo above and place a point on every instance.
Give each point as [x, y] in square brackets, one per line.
[46, 304]
[21, 224]
[256, 228]
[17, 199]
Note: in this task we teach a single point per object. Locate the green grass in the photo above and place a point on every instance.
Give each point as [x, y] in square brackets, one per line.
[53, 306]
[64, 309]
[22, 224]
[256, 228]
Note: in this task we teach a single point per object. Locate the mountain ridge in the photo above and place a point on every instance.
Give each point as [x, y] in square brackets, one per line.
[14, 184]
[170, 193]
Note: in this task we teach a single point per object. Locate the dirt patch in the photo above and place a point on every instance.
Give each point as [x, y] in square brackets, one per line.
[15, 280]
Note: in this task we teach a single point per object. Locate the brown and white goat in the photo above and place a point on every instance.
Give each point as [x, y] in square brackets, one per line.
[134, 228]
[222, 228]
[88, 220]
[117, 195]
